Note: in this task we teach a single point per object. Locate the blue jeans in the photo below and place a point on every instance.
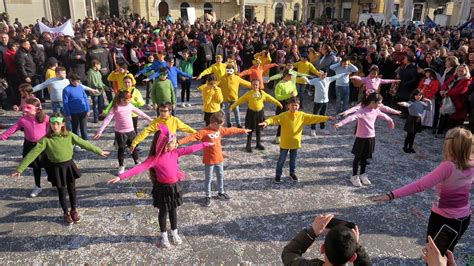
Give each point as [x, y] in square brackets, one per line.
[282, 159]
[301, 88]
[58, 108]
[97, 106]
[209, 169]
[342, 95]
[226, 107]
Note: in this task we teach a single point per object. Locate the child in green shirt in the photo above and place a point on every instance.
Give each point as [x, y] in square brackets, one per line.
[58, 144]
[94, 79]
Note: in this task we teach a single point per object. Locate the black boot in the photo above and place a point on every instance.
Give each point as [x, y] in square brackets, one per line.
[259, 144]
[248, 148]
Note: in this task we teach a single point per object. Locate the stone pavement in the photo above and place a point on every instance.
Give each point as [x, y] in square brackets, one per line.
[120, 225]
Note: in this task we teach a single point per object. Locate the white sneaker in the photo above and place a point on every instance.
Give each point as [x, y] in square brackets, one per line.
[183, 105]
[355, 180]
[277, 140]
[313, 133]
[35, 192]
[121, 170]
[365, 179]
[188, 105]
[176, 239]
[164, 242]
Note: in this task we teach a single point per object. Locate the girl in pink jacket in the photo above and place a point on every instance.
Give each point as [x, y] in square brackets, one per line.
[166, 177]
[124, 130]
[452, 180]
[34, 124]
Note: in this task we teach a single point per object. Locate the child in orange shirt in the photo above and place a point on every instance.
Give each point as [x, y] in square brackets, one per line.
[212, 157]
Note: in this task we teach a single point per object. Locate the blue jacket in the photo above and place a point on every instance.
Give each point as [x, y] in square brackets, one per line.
[344, 80]
[75, 100]
[155, 66]
[173, 74]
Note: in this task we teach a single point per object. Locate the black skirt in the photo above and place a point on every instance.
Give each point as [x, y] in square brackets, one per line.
[253, 118]
[363, 147]
[41, 161]
[61, 174]
[413, 124]
[123, 140]
[167, 197]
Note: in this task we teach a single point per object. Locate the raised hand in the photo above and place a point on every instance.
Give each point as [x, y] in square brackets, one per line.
[320, 222]
[263, 124]
[113, 180]
[380, 198]
[15, 174]
[105, 153]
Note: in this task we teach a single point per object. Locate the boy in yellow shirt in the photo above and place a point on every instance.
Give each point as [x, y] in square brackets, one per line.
[255, 99]
[305, 67]
[165, 118]
[229, 85]
[292, 123]
[117, 77]
[218, 69]
[211, 98]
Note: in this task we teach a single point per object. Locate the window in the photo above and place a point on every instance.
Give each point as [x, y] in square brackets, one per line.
[296, 12]
[396, 9]
[207, 8]
[346, 14]
[312, 12]
[184, 11]
[328, 11]
[278, 13]
[417, 12]
[249, 13]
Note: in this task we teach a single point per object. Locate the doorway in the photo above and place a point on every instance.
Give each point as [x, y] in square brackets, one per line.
[163, 10]
[60, 9]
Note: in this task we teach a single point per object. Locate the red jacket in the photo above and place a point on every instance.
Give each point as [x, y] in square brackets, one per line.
[430, 90]
[459, 96]
[9, 59]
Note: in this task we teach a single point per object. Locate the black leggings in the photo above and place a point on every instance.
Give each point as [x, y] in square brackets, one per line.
[319, 109]
[121, 155]
[173, 219]
[355, 165]
[37, 175]
[436, 221]
[185, 90]
[409, 140]
[135, 124]
[71, 190]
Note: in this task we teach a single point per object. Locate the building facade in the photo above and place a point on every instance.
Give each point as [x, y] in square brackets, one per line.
[28, 11]
[444, 12]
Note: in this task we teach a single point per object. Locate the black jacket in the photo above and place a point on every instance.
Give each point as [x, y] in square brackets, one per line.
[293, 251]
[76, 65]
[409, 79]
[25, 65]
[104, 57]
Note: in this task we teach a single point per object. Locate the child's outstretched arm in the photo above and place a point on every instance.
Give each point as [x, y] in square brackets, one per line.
[389, 110]
[351, 110]
[193, 148]
[239, 101]
[141, 114]
[10, 131]
[105, 123]
[387, 118]
[184, 127]
[269, 98]
[86, 145]
[347, 120]
[309, 119]
[147, 164]
[191, 138]
[225, 131]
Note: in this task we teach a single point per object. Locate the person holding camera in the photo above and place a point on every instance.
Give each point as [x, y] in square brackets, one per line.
[341, 245]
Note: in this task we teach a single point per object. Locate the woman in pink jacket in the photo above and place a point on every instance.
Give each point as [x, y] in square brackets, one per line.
[166, 177]
[452, 180]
